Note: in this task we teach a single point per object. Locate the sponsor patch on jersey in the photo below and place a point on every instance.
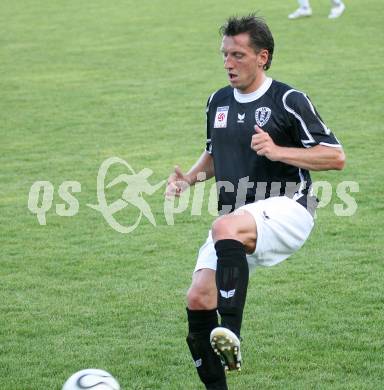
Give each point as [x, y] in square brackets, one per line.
[221, 117]
[262, 115]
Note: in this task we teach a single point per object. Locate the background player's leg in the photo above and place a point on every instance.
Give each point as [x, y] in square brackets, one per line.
[304, 3]
[337, 9]
[303, 10]
[202, 319]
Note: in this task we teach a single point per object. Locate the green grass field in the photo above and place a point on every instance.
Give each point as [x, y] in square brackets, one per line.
[84, 81]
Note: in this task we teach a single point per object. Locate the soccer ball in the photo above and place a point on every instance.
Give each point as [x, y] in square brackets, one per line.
[93, 379]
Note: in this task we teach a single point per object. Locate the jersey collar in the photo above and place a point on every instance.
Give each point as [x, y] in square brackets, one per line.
[250, 97]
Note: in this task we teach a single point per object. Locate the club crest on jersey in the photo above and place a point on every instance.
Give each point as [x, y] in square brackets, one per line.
[221, 117]
[262, 116]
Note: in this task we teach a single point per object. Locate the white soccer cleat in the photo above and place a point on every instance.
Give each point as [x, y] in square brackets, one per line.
[300, 13]
[336, 11]
[227, 345]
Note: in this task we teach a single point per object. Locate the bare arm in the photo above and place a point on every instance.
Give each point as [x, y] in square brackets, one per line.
[202, 170]
[202, 167]
[316, 158]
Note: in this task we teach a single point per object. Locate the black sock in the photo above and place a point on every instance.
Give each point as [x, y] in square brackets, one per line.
[208, 364]
[232, 276]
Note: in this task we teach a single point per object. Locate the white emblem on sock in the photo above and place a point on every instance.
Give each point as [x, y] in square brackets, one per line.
[227, 294]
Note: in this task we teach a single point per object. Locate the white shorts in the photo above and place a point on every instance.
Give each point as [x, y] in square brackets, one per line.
[283, 225]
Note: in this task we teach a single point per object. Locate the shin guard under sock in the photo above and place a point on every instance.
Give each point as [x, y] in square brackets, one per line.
[208, 364]
[232, 276]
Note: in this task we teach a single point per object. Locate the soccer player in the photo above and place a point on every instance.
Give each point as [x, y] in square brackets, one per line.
[337, 8]
[263, 137]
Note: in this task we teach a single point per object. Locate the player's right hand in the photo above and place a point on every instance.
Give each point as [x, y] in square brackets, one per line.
[177, 183]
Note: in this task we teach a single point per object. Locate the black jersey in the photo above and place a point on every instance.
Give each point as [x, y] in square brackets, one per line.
[290, 119]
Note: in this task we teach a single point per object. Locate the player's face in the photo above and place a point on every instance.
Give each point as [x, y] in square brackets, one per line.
[243, 65]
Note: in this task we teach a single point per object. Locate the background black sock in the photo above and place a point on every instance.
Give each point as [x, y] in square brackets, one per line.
[232, 276]
[208, 364]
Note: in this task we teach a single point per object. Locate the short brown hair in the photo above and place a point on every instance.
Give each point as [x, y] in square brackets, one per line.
[259, 33]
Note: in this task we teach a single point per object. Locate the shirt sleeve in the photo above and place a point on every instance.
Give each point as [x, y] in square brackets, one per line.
[311, 128]
[208, 146]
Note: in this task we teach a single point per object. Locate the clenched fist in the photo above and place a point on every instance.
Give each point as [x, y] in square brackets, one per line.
[263, 144]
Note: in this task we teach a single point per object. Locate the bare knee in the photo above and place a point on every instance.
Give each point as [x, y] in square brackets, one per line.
[202, 294]
[201, 299]
[223, 229]
[239, 226]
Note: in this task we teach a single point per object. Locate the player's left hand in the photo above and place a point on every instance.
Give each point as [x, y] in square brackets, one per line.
[263, 144]
[177, 183]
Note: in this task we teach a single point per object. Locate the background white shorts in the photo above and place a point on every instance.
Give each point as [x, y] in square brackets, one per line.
[283, 225]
